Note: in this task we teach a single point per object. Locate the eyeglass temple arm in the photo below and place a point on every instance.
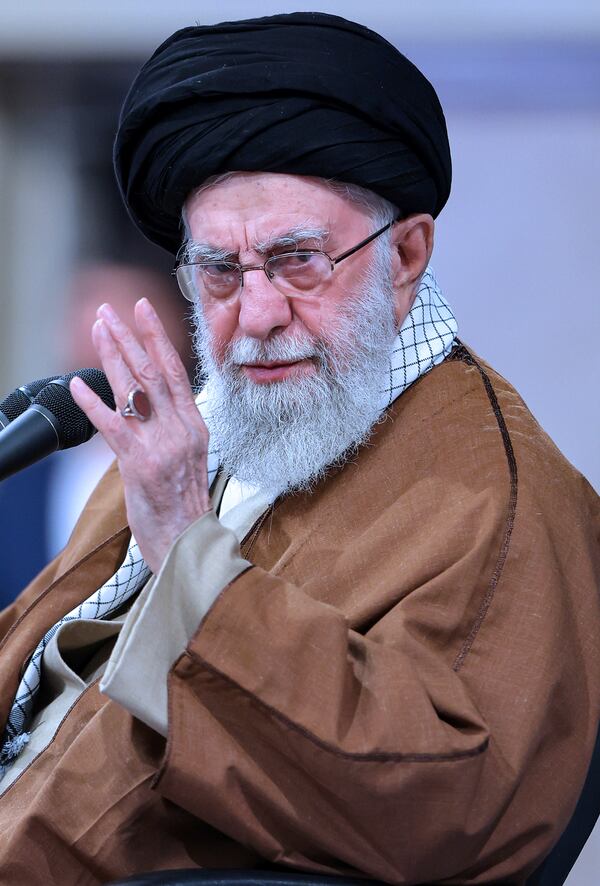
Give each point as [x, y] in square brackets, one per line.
[368, 240]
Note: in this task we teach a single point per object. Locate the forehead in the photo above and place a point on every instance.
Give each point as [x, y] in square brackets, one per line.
[259, 205]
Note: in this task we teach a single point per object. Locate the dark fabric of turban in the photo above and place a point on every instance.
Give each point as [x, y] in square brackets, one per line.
[303, 93]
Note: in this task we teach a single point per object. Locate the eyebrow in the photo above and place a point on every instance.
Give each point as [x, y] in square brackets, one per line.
[293, 238]
[197, 251]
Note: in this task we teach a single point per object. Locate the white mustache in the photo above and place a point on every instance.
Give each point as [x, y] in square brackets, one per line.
[280, 349]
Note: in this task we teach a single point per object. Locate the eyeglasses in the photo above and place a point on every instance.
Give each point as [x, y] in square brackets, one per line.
[304, 272]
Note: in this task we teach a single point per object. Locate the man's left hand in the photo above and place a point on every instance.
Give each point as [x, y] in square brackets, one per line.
[163, 460]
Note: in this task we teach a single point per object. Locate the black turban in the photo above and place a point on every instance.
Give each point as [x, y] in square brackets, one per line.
[304, 93]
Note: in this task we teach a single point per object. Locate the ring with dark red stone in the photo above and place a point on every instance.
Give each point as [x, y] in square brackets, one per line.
[138, 406]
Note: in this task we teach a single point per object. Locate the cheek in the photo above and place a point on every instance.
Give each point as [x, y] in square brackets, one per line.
[221, 321]
[314, 317]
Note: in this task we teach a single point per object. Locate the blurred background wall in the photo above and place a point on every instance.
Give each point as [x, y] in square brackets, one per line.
[517, 248]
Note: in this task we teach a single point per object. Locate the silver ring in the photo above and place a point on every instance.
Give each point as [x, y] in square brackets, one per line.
[138, 406]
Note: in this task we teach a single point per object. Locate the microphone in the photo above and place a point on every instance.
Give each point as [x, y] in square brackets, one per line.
[21, 399]
[53, 421]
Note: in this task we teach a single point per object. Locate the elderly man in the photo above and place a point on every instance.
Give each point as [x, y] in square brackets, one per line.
[356, 626]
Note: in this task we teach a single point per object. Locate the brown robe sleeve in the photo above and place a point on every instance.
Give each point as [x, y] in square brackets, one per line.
[318, 746]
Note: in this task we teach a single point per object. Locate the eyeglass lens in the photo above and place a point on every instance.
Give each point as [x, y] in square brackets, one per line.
[291, 273]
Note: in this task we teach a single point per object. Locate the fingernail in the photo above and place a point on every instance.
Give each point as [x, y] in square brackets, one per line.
[107, 312]
[146, 307]
[76, 384]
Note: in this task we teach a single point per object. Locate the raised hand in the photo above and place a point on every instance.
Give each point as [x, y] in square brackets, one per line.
[162, 460]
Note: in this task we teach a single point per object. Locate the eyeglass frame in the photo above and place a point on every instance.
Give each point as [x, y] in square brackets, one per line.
[243, 268]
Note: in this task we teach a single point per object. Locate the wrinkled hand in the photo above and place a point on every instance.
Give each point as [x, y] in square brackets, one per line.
[163, 460]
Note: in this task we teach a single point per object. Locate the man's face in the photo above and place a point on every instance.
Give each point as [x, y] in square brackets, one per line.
[242, 216]
[294, 382]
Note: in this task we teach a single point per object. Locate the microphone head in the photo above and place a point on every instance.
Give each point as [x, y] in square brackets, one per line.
[74, 427]
[21, 399]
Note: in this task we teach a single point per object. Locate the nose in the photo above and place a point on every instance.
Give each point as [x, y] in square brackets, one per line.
[263, 308]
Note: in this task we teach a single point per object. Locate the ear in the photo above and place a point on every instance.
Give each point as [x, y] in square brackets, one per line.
[412, 241]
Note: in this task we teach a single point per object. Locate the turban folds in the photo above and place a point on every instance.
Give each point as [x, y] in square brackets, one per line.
[303, 93]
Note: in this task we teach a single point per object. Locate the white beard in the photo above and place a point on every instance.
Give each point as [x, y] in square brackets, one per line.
[284, 435]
